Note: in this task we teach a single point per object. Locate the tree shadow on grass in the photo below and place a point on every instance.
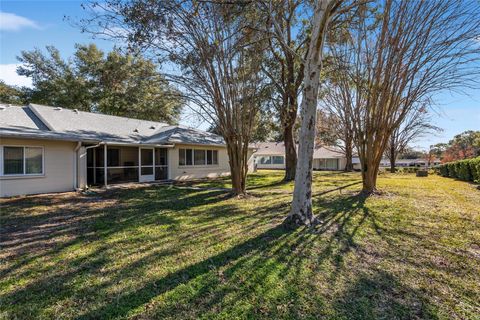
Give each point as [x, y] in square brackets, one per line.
[221, 281]
[83, 219]
[379, 295]
[263, 272]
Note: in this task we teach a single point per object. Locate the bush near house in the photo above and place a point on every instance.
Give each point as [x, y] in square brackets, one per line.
[467, 170]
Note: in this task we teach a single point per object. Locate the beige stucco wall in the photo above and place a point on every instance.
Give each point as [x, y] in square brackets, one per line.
[177, 172]
[59, 175]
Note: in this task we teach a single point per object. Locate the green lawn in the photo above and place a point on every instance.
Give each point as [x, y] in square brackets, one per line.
[174, 253]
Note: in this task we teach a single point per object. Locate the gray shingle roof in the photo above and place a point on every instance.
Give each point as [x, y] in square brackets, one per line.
[327, 152]
[65, 124]
[269, 148]
[278, 148]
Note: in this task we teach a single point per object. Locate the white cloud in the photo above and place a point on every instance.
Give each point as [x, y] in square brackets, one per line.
[8, 73]
[12, 22]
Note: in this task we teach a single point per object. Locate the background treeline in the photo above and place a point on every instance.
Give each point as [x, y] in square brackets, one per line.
[115, 83]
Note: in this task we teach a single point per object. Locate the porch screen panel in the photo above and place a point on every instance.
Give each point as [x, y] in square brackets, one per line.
[161, 164]
[122, 164]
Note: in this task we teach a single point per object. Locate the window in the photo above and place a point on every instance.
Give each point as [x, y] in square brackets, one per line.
[209, 156]
[33, 160]
[277, 160]
[13, 160]
[197, 157]
[265, 160]
[332, 164]
[22, 160]
[189, 157]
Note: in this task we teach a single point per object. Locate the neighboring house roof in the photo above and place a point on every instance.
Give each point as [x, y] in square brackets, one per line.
[65, 124]
[327, 152]
[278, 148]
[269, 148]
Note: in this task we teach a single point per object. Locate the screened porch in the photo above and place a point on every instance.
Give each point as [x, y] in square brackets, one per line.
[121, 164]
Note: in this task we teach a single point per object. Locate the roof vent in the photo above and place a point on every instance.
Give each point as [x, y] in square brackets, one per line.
[136, 130]
[57, 108]
[152, 127]
[3, 107]
[75, 110]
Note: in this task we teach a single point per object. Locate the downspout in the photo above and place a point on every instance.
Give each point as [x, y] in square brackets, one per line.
[75, 165]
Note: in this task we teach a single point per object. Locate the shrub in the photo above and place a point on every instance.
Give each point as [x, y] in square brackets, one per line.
[467, 170]
[475, 169]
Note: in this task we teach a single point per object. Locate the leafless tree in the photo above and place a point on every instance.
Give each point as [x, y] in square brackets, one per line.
[336, 104]
[415, 125]
[214, 52]
[398, 56]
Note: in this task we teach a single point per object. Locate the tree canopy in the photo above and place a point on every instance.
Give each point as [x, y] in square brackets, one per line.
[114, 83]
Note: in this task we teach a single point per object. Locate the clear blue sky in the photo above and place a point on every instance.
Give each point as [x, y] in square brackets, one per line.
[25, 25]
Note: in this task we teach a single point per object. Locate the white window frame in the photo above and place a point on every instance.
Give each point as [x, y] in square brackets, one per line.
[193, 158]
[24, 174]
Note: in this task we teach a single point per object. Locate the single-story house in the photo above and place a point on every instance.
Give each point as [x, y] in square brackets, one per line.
[271, 155]
[50, 149]
[419, 163]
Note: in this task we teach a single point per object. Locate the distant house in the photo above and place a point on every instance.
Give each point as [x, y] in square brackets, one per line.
[46, 149]
[403, 163]
[271, 155]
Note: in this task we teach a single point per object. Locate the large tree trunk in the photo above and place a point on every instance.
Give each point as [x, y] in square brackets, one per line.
[301, 212]
[238, 168]
[369, 175]
[290, 152]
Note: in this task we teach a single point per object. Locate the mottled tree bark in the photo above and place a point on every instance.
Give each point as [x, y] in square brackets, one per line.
[301, 211]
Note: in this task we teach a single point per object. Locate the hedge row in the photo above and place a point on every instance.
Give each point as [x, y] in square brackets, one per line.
[468, 170]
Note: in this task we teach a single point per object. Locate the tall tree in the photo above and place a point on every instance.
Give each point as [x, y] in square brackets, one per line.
[114, 83]
[301, 211]
[11, 94]
[214, 52]
[288, 37]
[415, 125]
[398, 58]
